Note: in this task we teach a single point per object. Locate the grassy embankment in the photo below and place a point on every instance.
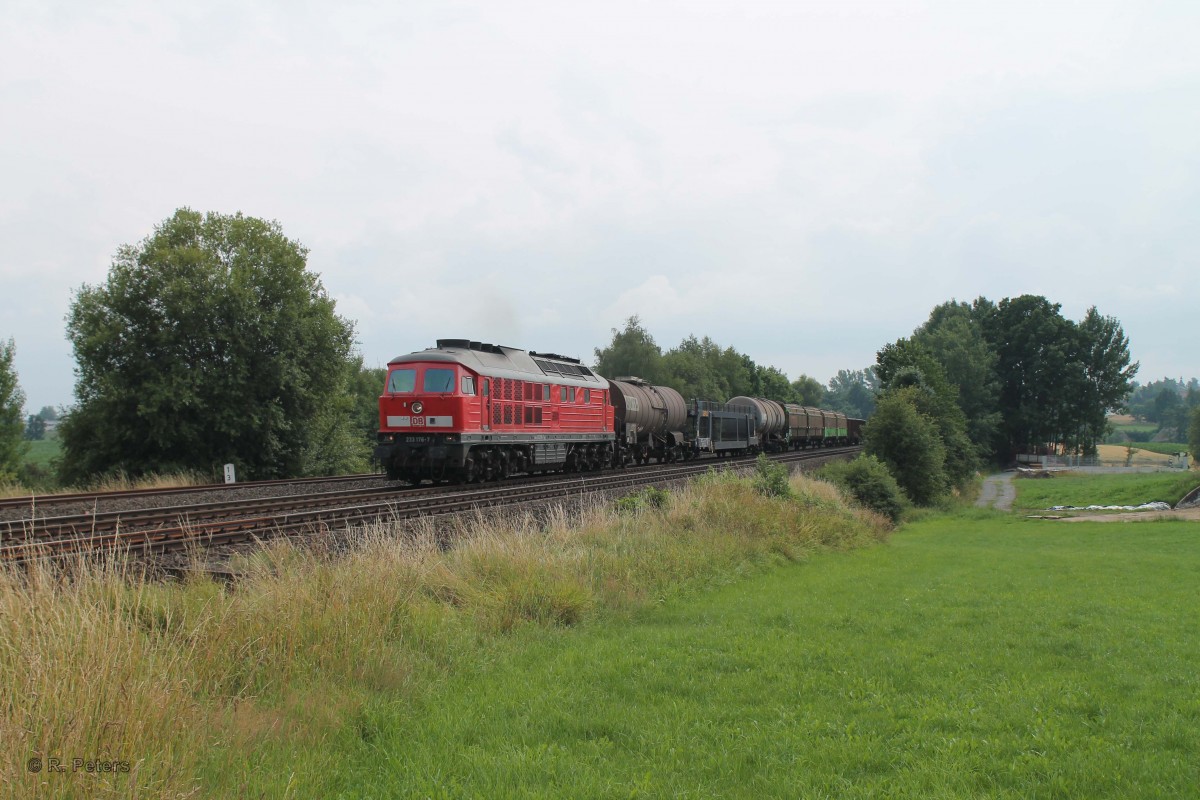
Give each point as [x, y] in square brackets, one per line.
[290, 683]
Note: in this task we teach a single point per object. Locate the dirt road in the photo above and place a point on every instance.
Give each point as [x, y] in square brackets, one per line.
[998, 492]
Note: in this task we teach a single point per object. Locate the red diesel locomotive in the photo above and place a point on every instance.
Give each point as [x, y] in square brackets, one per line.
[472, 411]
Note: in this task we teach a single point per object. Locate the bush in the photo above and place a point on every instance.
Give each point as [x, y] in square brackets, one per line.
[771, 478]
[650, 497]
[907, 441]
[1194, 432]
[868, 481]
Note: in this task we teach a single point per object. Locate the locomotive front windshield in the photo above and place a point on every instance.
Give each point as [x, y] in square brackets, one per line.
[402, 380]
[439, 380]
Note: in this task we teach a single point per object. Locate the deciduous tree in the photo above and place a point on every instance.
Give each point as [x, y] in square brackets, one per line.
[852, 392]
[210, 342]
[632, 352]
[35, 428]
[12, 404]
[1194, 432]
[808, 391]
[953, 335]
[906, 364]
[1107, 375]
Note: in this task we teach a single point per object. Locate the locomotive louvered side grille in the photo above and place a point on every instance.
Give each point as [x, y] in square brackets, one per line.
[497, 414]
[508, 413]
[570, 370]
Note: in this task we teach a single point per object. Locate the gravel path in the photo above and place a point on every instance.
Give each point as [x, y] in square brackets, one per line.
[998, 492]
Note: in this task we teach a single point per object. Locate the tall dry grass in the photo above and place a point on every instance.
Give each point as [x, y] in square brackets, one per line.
[119, 482]
[169, 679]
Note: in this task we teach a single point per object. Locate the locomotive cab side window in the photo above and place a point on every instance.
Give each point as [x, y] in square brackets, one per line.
[468, 384]
[402, 381]
[439, 380]
[587, 395]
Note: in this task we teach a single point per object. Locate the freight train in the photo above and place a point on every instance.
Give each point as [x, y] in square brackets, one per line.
[471, 411]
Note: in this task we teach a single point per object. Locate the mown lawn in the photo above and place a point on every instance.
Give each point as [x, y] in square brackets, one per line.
[978, 656]
[1083, 489]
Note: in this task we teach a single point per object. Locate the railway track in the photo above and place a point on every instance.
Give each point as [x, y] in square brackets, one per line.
[50, 500]
[230, 522]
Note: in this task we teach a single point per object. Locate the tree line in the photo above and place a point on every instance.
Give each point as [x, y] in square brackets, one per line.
[699, 367]
[981, 382]
[1168, 403]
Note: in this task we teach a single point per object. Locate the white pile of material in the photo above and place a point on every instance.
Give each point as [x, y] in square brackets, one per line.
[1155, 506]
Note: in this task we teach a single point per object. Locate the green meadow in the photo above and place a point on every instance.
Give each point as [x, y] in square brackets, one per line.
[970, 657]
[1117, 489]
[42, 452]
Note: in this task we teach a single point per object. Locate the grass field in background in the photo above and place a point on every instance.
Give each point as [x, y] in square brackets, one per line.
[1079, 489]
[1165, 448]
[42, 452]
[1135, 427]
[979, 656]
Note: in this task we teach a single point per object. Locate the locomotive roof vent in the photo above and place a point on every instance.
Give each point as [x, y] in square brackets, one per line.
[555, 356]
[467, 344]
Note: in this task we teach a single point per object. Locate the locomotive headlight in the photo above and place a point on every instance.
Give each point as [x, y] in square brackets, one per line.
[417, 407]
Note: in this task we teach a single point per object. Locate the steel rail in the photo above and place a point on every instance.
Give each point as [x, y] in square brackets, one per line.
[40, 500]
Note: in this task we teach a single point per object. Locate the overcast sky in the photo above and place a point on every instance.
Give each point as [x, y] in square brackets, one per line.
[803, 181]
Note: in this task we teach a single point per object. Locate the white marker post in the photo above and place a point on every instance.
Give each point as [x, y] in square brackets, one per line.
[229, 474]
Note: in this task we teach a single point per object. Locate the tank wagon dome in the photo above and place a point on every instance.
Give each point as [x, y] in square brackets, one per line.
[654, 409]
[498, 361]
[768, 415]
